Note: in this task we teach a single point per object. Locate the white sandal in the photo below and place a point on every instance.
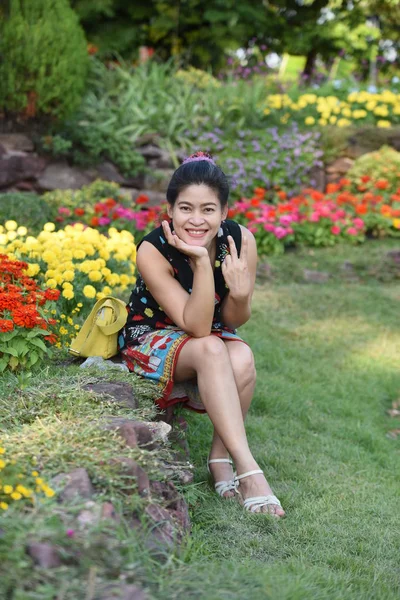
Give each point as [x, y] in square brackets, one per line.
[252, 504]
[221, 487]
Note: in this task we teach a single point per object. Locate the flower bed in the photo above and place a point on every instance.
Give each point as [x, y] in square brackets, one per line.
[27, 329]
[347, 212]
[78, 264]
[359, 108]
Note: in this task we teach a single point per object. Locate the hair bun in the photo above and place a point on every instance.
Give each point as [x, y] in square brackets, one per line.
[200, 155]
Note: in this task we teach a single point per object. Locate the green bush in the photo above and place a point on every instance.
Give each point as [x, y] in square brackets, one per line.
[45, 59]
[35, 210]
[382, 164]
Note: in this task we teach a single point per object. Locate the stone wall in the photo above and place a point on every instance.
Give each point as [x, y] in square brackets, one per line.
[22, 169]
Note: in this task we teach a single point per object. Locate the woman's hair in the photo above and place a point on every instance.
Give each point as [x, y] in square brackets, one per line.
[197, 169]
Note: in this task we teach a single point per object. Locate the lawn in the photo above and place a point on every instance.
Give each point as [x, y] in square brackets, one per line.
[327, 362]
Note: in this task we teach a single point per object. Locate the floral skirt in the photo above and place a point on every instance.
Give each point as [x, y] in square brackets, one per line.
[155, 358]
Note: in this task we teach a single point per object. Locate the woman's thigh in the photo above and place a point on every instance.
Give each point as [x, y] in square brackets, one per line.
[200, 353]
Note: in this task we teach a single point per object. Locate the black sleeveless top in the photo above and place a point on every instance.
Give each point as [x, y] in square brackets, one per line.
[144, 312]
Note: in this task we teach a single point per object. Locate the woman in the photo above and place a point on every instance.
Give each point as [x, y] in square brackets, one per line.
[195, 284]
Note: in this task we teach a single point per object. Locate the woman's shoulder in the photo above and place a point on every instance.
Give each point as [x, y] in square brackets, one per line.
[155, 237]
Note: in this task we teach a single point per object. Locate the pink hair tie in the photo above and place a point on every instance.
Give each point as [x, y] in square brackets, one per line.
[199, 156]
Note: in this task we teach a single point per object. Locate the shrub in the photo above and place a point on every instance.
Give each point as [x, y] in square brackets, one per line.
[383, 164]
[47, 59]
[35, 209]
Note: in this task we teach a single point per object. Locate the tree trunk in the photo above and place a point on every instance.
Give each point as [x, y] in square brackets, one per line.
[310, 63]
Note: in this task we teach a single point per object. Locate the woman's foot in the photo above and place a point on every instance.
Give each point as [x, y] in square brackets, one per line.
[222, 472]
[255, 486]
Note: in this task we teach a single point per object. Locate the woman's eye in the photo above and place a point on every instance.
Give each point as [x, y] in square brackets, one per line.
[185, 208]
[209, 209]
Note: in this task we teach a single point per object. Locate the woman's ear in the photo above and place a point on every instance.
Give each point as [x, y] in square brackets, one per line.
[169, 211]
[225, 212]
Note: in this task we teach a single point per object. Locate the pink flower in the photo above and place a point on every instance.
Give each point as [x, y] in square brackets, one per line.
[64, 211]
[285, 219]
[269, 227]
[358, 223]
[352, 231]
[280, 232]
[335, 229]
[104, 221]
[70, 532]
[314, 217]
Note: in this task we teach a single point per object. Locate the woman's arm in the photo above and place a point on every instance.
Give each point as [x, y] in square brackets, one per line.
[192, 312]
[240, 276]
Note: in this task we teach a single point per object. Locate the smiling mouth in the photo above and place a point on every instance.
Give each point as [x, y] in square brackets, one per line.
[196, 232]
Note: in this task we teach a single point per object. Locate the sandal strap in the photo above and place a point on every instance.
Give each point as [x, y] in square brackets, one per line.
[225, 486]
[255, 502]
[220, 460]
[248, 473]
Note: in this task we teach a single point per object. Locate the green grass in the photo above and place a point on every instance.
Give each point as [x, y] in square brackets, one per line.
[327, 358]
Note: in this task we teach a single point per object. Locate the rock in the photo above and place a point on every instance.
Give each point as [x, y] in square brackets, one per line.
[315, 276]
[43, 554]
[16, 141]
[144, 435]
[108, 512]
[77, 484]
[181, 514]
[125, 429]
[147, 138]
[131, 468]
[120, 591]
[109, 172]
[90, 515]
[17, 168]
[317, 178]
[347, 266]
[59, 175]
[182, 472]
[150, 151]
[340, 165]
[160, 431]
[158, 180]
[166, 491]
[165, 529]
[121, 392]
[163, 161]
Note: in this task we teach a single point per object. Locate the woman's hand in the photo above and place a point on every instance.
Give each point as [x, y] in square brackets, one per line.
[194, 252]
[236, 272]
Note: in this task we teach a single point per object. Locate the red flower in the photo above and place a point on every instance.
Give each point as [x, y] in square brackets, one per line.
[94, 221]
[52, 294]
[382, 184]
[110, 202]
[25, 316]
[52, 338]
[79, 211]
[6, 325]
[231, 213]
[282, 195]
[255, 202]
[361, 209]
[365, 178]
[250, 215]
[142, 199]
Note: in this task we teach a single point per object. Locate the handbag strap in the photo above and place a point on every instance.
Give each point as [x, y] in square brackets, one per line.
[120, 311]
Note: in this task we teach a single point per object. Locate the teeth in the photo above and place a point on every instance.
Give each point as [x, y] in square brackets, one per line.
[195, 232]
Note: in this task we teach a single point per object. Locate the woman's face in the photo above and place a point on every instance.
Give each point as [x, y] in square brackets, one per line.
[197, 215]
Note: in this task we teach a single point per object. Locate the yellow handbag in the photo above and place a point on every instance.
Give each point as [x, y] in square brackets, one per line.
[99, 333]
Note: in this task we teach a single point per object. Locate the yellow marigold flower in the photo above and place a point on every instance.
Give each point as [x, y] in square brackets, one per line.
[2, 463]
[343, 123]
[322, 122]
[67, 285]
[49, 256]
[51, 283]
[99, 295]
[22, 231]
[396, 223]
[359, 113]
[79, 254]
[346, 112]
[332, 120]
[26, 492]
[11, 235]
[124, 279]
[8, 489]
[106, 290]
[2, 450]
[63, 331]
[69, 275]
[79, 305]
[89, 291]
[49, 227]
[77, 327]
[11, 225]
[39, 480]
[3, 505]
[33, 269]
[68, 293]
[16, 496]
[266, 111]
[95, 276]
[49, 493]
[383, 123]
[106, 271]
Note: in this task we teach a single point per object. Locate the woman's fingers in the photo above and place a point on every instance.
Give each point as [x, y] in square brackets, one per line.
[232, 247]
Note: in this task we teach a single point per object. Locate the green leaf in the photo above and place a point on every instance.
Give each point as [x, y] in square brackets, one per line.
[8, 350]
[39, 343]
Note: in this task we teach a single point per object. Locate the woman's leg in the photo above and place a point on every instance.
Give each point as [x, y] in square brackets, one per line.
[242, 361]
[208, 359]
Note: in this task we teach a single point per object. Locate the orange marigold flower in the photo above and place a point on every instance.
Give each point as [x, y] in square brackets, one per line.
[259, 192]
[79, 211]
[250, 214]
[255, 202]
[386, 210]
[6, 325]
[331, 188]
[361, 209]
[94, 221]
[344, 181]
[282, 195]
[52, 295]
[365, 178]
[382, 184]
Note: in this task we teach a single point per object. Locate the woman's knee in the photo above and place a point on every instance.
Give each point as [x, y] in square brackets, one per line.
[212, 348]
[242, 360]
